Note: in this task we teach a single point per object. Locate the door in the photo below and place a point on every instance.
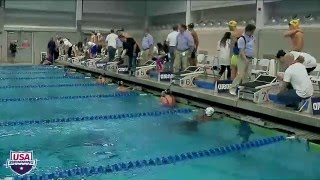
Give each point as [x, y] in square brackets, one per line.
[23, 42]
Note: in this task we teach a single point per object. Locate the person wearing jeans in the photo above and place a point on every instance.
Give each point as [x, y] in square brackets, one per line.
[172, 42]
[297, 76]
[246, 46]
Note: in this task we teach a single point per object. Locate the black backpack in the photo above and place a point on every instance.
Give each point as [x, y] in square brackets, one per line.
[236, 50]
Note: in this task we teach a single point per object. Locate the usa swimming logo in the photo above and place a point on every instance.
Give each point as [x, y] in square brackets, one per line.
[21, 162]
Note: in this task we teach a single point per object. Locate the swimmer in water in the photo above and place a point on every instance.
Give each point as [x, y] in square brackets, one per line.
[167, 99]
[205, 116]
[102, 79]
[122, 87]
[296, 35]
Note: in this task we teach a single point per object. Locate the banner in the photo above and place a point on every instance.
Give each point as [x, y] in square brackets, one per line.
[165, 76]
[223, 86]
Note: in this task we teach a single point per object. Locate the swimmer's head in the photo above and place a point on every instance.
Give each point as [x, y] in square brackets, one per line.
[209, 111]
[120, 83]
[294, 24]
[280, 55]
[163, 94]
[232, 25]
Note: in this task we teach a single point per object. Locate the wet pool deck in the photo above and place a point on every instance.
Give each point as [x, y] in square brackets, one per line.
[273, 110]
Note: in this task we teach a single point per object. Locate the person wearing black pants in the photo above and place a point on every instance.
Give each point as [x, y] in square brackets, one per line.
[223, 48]
[223, 69]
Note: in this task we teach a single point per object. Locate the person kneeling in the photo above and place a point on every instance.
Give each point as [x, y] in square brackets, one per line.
[295, 74]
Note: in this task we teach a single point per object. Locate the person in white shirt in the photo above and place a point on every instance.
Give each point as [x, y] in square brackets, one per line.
[296, 75]
[306, 59]
[67, 46]
[172, 42]
[111, 40]
[224, 54]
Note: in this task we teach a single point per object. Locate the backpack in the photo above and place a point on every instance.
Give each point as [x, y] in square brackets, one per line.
[236, 50]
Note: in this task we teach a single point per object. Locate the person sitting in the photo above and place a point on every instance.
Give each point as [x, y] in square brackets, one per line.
[204, 116]
[167, 99]
[296, 75]
[306, 59]
[102, 79]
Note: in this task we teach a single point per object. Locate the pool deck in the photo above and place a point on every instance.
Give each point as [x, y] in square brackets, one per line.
[269, 109]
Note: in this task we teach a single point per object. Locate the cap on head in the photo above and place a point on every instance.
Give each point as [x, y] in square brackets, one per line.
[232, 23]
[295, 22]
[209, 111]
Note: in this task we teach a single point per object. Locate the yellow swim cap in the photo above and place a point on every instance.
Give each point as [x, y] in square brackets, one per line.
[232, 23]
[295, 22]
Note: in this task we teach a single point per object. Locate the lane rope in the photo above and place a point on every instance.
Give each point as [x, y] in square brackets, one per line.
[95, 118]
[28, 67]
[31, 78]
[158, 161]
[34, 72]
[51, 85]
[118, 94]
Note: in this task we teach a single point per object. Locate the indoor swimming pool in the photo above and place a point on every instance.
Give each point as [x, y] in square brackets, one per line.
[69, 123]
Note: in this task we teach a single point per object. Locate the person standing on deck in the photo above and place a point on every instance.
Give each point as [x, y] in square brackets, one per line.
[172, 42]
[193, 58]
[296, 35]
[235, 34]
[246, 48]
[147, 47]
[111, 40]
[184, 48]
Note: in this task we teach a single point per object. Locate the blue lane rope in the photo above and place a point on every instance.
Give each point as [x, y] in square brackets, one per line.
[52, 85]
[69, 97]
[34, 72]
[31, 78]
[27, 67]
[95, 118]
[158, 161]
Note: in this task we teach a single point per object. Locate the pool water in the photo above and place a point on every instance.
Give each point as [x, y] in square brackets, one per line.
[94, 143]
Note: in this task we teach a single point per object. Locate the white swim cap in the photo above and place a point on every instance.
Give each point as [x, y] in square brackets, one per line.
[209, 111]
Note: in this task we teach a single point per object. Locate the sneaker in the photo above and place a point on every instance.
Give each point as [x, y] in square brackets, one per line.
[233, 92]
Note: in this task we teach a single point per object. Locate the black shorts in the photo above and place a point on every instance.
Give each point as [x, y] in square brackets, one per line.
[193, 54]
[309, 70]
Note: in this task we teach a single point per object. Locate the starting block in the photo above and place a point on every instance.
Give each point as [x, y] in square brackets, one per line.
[141, 71]
[186, 77]
[112, 66]
[257, 90]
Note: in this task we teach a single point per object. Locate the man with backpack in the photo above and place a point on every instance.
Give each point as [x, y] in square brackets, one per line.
[245, 44]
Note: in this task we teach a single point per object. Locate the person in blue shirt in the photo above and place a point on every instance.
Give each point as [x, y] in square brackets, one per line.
[184, 48]
[147, 47]
[246, 46]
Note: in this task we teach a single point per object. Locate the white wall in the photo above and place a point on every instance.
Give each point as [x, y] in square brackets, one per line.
[200, 5]
[43, 5]
[162, 7]
[113, 14]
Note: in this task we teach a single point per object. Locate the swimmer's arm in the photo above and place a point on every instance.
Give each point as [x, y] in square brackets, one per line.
[283, 87]
[290, 33]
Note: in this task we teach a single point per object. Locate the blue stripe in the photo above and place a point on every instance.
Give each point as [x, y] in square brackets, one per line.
[52, 85]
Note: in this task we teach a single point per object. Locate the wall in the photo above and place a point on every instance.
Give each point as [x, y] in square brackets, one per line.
[41, 40]
[226, 13]
[113, 14]
[40, 13]
[162, 7]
